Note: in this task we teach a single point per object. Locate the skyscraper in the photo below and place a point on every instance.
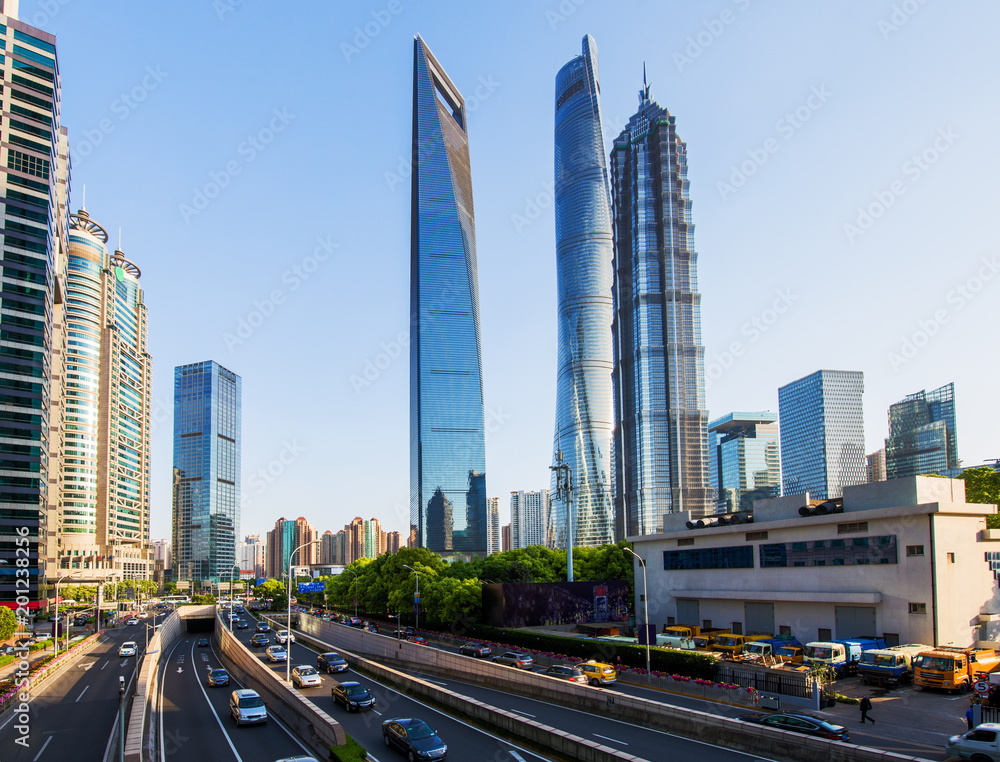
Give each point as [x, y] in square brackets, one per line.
[822, 433]
[252, 555]
[584, 250]
[876, 465]
[35, 178]
[207, 426]
[447, 429]
[923, 437]
[529, 516]
[661, 439]
[493, 535]
[304, 534]
[106, 390]
[745, 460]
[280, 542]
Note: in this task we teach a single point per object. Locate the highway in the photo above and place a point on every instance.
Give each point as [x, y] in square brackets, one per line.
[77, 709]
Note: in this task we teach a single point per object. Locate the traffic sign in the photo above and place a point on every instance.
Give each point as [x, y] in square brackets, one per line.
[982, 686]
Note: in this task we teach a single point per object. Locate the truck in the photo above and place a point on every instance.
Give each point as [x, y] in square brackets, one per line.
[952, 669]
[792, 654]
[731, 645]
[890, 666]
[693, 631]
[670, 641]
[767, 650]
[842, 656]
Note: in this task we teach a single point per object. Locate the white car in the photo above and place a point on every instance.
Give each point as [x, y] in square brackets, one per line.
[305, 676]
[283, 637]
[132, 621]
[128, 648]
[276, 653]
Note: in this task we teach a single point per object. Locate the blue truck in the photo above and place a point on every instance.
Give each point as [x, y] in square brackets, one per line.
[767, 650]
[842, 656]
[891, 666]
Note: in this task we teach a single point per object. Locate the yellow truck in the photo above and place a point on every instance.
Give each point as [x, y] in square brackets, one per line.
[704, 637]
[952, 669]
[731, 646]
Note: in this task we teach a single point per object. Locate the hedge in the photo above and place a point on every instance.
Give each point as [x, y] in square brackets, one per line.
[351, 752]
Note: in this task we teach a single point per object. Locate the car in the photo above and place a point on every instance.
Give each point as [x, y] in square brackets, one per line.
[565, 672]
[300, 758]
[128, 648]
[331, 662]
[353, 621]
[305, 676]
[263, 627]
[475, 650]
[414, 738]
[353, 695]
[514, 659]
[241, 625]
[980, 743]
[372, 627]
[6, 650]
[283, 637]
[420, 640]
[247, 707]
[799, 722]
[202, 642]
[259, 639]
[80, 621]
[599, 673]
[131, 621]
[217, 677]
[276, 653]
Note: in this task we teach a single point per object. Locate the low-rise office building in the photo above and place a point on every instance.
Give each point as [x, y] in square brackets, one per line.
[906, 559]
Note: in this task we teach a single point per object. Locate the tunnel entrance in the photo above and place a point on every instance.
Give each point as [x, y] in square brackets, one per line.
[199, 624]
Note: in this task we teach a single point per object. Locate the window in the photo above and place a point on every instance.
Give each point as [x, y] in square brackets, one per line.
[918, 608]
[914, 550]
[856, 552]
[685, 541]
[737, 628]
[891, 638]
[785, 630]
[824, 635]
[951, 558]
[984, 736]
[708, 558]
[751, 536]
[857, 526]
[706, 624]
[31, 165]
[671, 621]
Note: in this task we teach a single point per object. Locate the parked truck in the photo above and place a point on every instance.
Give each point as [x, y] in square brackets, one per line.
[952, 669]
[704, 637]
[671, 641]
[889, 666]
[792, 654]
[767, 650]
[731, 646]
[842, 656]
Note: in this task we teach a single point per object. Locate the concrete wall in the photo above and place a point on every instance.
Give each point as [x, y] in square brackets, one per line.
[754, 739]
[310, 723]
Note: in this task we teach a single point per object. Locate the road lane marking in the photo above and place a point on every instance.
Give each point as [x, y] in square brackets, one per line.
[42, 749]
[81, 693]
[613, 740]
[216, 715]
[106, 663]
[518, 711]
[516, 756]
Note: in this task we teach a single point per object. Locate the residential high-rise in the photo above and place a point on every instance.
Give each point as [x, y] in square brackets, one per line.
[505, 538]
[745, 460]
[252, 555]
[304, 533]
[373, 538]
[493, 522]
[280, 542]
[661, 437]
[529, 516]
[35, 178]
[206, 510]
[584, 250]
[328, 548]
[822, 433]
[392, 541]
[447, 429]
[876, 465]
[923, 437]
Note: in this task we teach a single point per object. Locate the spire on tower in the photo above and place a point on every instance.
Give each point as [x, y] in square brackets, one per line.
[644, 93]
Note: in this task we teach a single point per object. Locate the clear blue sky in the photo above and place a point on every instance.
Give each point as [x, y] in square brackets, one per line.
[795, 115]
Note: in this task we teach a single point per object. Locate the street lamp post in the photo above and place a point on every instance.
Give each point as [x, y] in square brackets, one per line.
[564, 490]
[288, 622]
[235, 566]
[645, 603]
[416, 595]
[355, 591]
[56, 634]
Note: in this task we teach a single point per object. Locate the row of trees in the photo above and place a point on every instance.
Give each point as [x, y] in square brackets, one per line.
[112, 590]
[383, 586]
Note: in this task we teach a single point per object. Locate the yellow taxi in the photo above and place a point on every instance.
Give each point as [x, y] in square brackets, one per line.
[598, 673]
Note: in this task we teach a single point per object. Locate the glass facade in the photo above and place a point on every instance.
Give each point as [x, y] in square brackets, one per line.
[922, 434]
[857, 551]
[661, 436]
[447, 429]
[207, 435]
[34, 173]
[744, 459]
[584, 249]
[822, 434]
[736, 557]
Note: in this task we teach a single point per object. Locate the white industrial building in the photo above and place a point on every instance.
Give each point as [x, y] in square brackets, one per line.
[907, 559]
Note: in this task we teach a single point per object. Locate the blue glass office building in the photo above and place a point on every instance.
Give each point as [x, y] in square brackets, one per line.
[822, 433]
[744, 460]
[923, 438]
[584, 249]
[206, 500]
[447, 429]
[661, 436]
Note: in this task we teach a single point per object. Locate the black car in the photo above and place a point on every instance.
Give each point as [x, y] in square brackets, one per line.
[241, 625]
[354, 696]
[799, 722]
[414, 738]
[262, 627]
[475, 649]
[259, 639]
[331, 662]
[202, 642]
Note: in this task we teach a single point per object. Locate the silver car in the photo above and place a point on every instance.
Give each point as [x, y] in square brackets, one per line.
[247, 707]
[276, 653]
[980, 743]
[305, 676]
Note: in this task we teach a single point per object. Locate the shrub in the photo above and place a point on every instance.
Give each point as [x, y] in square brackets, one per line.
[352, 751]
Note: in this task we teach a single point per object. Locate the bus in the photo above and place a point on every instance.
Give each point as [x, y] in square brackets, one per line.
[173, 600]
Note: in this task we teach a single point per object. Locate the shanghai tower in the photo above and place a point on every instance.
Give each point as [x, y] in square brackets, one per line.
[661, 431]
[584, 250]
[447, 422]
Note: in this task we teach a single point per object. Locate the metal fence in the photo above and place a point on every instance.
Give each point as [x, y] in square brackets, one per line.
[764, 680]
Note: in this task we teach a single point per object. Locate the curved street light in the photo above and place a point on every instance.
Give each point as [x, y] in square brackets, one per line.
[235, 566]
[56, 634]
[288, 622]
[645, 603]
[416, 595]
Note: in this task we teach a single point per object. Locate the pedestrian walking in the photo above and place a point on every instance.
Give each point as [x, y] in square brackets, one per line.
[866, 707]
[968, 716]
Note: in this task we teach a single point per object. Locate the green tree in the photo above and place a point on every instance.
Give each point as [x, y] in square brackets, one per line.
[8, 623]
[170, 588]
[446, 600]
[982, 485]
[273, 590]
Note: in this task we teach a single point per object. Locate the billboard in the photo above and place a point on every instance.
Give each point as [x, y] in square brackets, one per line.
[312, 587]
[548, 603]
